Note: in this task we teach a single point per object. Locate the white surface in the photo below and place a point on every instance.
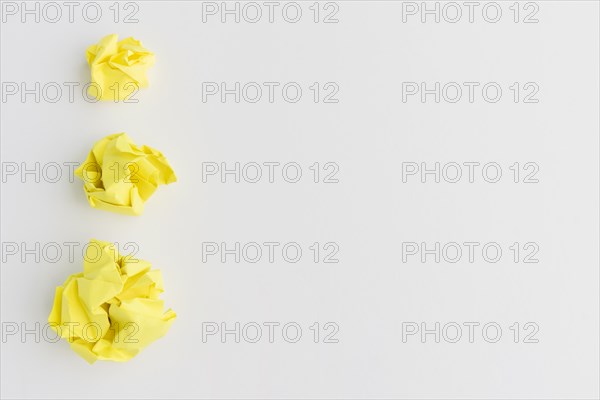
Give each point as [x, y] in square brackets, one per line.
[369, 213]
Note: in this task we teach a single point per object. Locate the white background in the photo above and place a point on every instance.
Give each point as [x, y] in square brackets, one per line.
[369, 133]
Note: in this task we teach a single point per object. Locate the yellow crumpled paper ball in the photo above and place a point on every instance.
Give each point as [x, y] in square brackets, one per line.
[112, 310]
[118, 68]
[120, 176]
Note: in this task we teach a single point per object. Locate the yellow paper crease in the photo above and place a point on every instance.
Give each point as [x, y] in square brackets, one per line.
[120, 176]
[112, 310]
[118, 68]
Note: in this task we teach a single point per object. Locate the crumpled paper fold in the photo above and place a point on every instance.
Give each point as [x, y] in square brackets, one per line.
[112, 310]
[120, 176]
[118, 68]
